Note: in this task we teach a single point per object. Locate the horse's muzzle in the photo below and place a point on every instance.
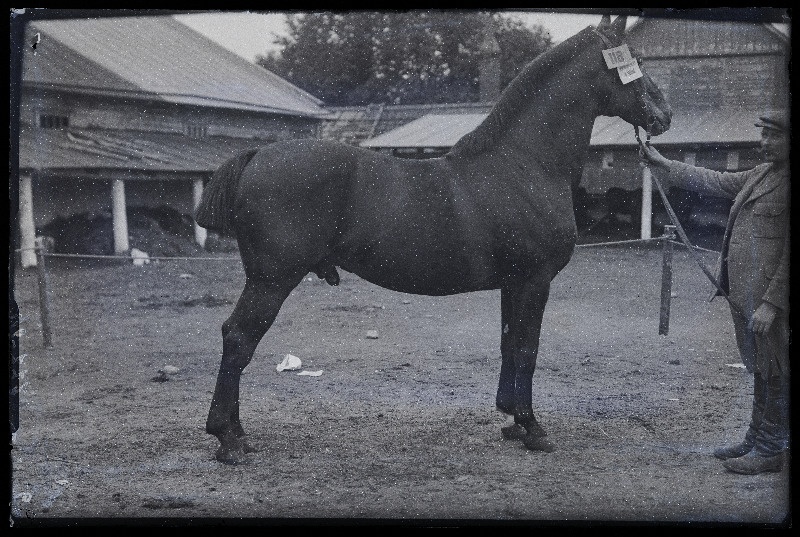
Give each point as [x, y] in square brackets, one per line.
[659, 123]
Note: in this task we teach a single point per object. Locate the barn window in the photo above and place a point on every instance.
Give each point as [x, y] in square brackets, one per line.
[52, 121]
[196, 131]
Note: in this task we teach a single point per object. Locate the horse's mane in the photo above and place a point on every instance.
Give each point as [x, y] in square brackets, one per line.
[516, 94]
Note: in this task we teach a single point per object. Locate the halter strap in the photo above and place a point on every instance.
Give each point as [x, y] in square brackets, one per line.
[604, 38]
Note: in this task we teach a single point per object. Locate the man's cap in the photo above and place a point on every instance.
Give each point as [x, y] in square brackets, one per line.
[775, 119]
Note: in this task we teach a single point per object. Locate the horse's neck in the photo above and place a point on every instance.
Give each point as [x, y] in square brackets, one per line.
[556, 129]
[543, 125]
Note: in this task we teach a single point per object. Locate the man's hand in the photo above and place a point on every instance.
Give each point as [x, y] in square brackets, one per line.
[763, 317]
[650, 155]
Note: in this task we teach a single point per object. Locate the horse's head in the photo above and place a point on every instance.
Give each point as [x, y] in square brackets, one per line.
[638, 101]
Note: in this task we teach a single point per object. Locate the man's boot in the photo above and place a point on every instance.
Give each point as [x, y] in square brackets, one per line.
[732, 452]
[753, 463]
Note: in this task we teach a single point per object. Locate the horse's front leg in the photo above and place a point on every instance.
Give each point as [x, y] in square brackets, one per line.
[505, 387]
[251, 318]
[522, 312]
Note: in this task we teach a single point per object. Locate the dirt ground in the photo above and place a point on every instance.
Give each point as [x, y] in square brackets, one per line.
[401, 428]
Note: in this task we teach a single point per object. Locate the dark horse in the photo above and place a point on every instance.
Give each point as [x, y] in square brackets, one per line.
[495, 212]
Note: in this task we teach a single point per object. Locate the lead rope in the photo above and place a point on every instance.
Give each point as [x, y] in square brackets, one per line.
[683, 236]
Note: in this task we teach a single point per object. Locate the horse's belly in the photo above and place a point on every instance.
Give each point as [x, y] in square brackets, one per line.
[424, 273]
[430, 284]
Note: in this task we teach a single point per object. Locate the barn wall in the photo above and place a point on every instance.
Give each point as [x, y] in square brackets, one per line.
[151, 116]
[708, 64]
[749, 82]
[56, 196]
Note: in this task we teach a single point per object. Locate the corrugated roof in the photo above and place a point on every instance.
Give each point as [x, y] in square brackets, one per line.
[394, 116]
[433, 130]
[708, 127]
[353, 124]
[79, 149]
[155, 56]
[700, 127]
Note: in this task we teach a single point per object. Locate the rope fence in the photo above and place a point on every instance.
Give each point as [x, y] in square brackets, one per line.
[42, 253]
[128, 257]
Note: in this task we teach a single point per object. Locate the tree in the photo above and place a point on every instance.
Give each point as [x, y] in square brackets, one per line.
[428, 56]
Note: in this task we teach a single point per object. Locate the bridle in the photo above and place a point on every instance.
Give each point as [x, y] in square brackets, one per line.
[640, 89]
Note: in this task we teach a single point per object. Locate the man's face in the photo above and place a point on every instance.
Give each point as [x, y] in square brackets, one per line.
[774, 146]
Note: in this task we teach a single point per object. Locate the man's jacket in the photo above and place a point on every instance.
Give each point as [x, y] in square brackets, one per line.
[761, 207]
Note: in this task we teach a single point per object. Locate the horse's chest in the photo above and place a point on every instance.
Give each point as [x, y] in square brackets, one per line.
[531, 236]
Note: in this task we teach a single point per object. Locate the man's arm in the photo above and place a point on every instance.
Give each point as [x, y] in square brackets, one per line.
[696, 178]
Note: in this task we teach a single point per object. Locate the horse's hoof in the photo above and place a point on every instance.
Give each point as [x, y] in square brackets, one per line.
[231, 456]
[514, 432]
[505, 409]
[539, 443]
[248, 447]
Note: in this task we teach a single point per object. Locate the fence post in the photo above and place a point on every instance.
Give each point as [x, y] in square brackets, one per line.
[666, 279]
[44, 289]
[200, 233]
[647, 203]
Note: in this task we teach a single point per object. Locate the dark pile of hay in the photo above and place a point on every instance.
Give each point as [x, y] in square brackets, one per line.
[158, 231]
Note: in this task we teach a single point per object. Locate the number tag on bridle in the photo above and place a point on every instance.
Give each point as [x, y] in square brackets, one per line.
[626, 65]
[629, 72]
[617, 56]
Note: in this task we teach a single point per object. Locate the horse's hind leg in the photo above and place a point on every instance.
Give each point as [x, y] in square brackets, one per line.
[254, 313]
[523, 310]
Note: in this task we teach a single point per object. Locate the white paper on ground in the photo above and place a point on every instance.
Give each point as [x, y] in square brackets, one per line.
[289, 363]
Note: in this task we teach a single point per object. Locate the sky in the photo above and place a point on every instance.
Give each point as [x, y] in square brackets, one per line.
[250, 34]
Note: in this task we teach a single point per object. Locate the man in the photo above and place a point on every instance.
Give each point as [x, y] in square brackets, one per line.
[753, 269]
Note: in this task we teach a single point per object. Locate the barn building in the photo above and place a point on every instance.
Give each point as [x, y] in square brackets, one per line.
[138, 111]
[718, 76]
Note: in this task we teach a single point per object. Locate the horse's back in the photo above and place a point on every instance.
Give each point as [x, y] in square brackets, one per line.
[297, 164]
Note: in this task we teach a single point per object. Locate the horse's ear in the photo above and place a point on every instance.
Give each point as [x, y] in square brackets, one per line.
[618, 26]
[605, 21]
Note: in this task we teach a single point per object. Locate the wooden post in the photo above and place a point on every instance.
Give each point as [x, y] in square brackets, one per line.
[647, 203]
[666, 280]
[27, 228]
[120, 217]
[44, 289]
[200, 233]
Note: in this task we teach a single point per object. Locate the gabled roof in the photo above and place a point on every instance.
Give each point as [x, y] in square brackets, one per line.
[701, 127]
[154, 58]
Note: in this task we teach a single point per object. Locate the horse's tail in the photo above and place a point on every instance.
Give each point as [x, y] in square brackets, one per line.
[215, 211]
